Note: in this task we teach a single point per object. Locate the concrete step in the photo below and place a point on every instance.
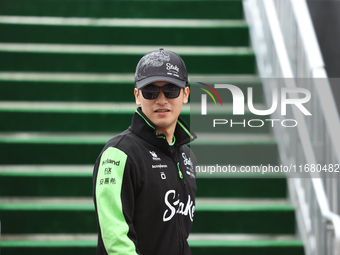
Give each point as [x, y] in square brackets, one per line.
[124, 31]
[243, 216]
[120, 58]
[100, 87]
[169, 9]
[74, 215]
[76, 148]
[53, 215]
[116, 117]
[199, 243]
[76, 181]
[245, 244]
[231, 149]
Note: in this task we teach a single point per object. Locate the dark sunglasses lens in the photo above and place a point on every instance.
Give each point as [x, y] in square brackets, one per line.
[150, 95]
[150, 92]
[171, 91]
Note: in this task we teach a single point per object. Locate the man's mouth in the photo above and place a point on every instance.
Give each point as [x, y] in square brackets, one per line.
[162, 110]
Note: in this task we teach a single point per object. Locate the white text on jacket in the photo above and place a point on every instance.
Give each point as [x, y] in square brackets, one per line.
[182, 208]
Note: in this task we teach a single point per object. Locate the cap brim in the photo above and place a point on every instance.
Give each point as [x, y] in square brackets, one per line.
[146, 81]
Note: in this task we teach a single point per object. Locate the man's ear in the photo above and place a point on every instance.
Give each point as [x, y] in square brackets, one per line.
[186, 95]
[137, 97]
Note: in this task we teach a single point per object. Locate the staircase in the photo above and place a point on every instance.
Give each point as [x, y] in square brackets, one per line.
[65, 69]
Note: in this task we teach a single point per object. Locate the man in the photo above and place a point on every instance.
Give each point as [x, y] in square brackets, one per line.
[144, 179]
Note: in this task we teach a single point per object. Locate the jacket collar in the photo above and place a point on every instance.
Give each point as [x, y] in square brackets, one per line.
[145, 129]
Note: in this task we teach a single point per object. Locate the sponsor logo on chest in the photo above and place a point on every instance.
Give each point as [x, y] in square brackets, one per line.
[188, 165]
[177, 206]
[154, 156]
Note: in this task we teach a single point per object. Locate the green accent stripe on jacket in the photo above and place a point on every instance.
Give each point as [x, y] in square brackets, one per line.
[113, 226]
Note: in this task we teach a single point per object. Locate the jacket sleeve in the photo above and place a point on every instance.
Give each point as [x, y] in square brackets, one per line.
[114, 198]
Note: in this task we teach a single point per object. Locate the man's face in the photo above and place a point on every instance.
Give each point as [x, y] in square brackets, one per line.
[163, 112]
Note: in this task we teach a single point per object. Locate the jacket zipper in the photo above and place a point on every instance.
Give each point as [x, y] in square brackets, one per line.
[180, 174]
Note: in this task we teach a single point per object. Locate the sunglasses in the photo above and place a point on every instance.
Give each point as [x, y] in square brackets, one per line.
[170, 91]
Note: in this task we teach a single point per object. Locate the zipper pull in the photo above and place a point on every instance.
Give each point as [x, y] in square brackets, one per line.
[179, 171]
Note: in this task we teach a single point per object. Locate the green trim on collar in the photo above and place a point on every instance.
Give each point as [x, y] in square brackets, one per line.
[171, 144]
[185, 129]
[144, 119]
[147, 122]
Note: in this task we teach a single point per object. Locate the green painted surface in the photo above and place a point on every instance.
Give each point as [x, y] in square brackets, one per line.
[245, 243]
[67, 91]
[41, 174]
[228, 36]
[48, 219]
[51, 153]
[79, 184]
[192, 243]
[119, 63]
[80, 151]
[241, 250]
[80, 218]
[93, 91]
[241, 187]
[115, 119]
[257, 247]
[46, 207]
[234, 153]
[238, 220]
[66, 122]
[47, 243]
[195, 250]
[36, 250]
[46, 185]
[218, 208]
[242, 207]
[231, 9]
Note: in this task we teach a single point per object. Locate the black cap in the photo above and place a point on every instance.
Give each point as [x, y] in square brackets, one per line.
[161, 65]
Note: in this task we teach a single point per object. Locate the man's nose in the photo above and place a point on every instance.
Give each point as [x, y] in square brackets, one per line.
[161, 98]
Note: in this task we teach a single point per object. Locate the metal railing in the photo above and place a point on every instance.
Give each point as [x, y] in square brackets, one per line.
[288, 54]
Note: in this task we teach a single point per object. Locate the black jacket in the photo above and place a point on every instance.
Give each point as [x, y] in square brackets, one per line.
[144, 191]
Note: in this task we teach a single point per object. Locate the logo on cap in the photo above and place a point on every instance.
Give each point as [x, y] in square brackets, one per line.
[161, 65]
[173, 69]
[153, 59]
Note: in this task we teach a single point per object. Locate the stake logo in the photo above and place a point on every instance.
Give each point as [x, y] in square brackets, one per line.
[239, 102]
[175, 205]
